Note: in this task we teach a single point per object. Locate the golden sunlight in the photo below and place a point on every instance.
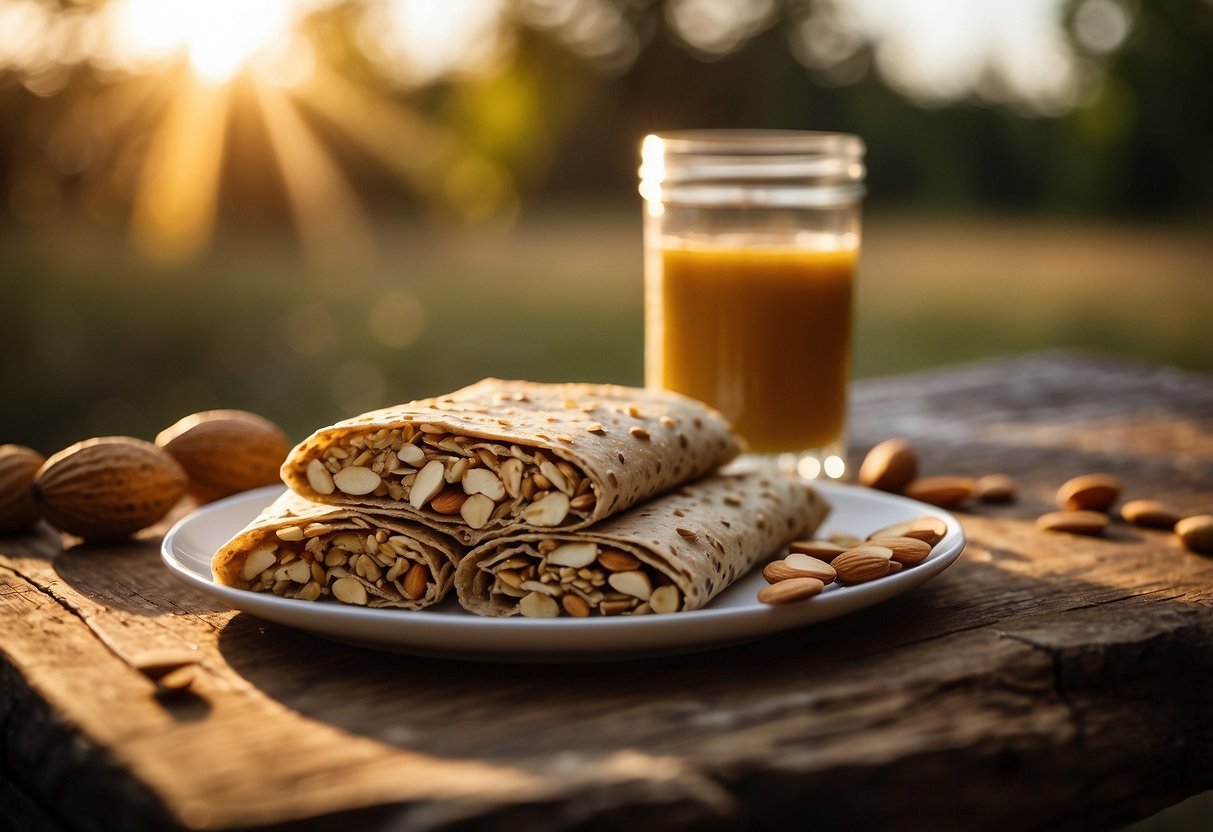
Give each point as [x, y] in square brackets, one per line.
[219, 37]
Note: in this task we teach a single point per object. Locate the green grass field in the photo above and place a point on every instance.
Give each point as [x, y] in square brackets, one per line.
[98, 341]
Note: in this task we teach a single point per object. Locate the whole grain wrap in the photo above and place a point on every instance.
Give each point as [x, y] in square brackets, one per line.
[299, 549]
[501, 457]
[674, 552]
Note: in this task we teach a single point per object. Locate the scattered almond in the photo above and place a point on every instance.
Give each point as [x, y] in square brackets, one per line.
[665, 599]
[1089, 492]
[108, 488]
[1196, 533]
[1074, 522]
[995, 488]
[945, 492]
[356, 481]
[1150, 513]
[575, 605]
[18, 466]
[786, 592]
[889, 466]
[225, 452]
[538, 605]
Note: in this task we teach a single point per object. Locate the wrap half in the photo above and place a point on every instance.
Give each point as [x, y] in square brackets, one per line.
[500, 457]
[672, 553]
[299, 549]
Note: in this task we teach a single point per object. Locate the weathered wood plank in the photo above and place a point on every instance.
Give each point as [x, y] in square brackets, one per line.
[1043, 682]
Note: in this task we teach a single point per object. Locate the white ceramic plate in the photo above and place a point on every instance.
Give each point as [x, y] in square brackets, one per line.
[447, 630]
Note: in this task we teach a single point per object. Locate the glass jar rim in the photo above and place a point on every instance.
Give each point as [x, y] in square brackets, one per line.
[757, 142]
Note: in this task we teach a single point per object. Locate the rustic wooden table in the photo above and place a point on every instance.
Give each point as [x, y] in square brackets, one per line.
[1045, 681]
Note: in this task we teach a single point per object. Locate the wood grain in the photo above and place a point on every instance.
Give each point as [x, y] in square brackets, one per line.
[1045, 681]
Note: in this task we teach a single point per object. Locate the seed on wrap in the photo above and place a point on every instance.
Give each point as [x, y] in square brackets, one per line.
[673, 552]
[299, 549]
[501, 457]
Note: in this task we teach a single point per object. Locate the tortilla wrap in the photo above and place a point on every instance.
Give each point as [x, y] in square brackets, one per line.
[671, 553]
[501, 457]
[304, 550]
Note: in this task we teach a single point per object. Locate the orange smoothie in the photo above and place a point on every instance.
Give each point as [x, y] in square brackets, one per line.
[761, 333]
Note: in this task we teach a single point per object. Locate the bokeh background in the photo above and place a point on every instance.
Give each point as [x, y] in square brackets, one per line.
[308, 208]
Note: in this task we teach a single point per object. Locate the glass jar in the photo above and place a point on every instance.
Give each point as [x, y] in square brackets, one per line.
[751, 241]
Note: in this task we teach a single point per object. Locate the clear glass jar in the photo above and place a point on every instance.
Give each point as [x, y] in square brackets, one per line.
[751, 242]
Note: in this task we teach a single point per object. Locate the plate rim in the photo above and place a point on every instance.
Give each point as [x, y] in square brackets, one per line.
[756, 619]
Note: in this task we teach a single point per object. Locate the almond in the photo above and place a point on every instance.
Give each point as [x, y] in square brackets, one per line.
[786, 592]
[944, 492]
[821, 549]
[1089, 492]
[575, 605]
[906, 550]
[995, 488]
[575, 555]
[1150, 513]
[616, 560]
[356, 480]
[1075, 522]
[1196, 533]
[225, 452]
[449, 501]
[665, 599]
[928, 529]
[108, 488]
[865, 563]
[889, 466]
[797, 565]
[415, 580]
[18, 466]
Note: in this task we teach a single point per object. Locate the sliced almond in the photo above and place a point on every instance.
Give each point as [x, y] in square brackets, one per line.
[795, 589]
[349, 590]
[483, 481]
[574, 555]
[428, 483]
[356, 481]
[634, 583]
[411, 455]
[289, 533]
[257, 562]
[511, 476]
[538, 605]
[665, 599]
[319, 478]
[1074, 522]
[547, 511]
[299, 572]
[575, 605]
[547, 588]
[476, 510]
[556, 477]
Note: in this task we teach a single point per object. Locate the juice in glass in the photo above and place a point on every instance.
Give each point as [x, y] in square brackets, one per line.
[761, 332]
